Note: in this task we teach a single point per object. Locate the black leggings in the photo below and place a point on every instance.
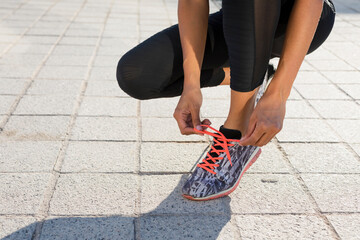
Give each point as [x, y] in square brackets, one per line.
[244, 35]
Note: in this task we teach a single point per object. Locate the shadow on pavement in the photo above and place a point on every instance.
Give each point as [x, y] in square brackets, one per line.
[173, 218]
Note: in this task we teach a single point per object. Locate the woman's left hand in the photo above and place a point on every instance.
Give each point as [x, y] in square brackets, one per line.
[265, 121]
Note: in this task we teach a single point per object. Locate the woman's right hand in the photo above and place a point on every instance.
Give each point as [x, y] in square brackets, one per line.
[187, 112]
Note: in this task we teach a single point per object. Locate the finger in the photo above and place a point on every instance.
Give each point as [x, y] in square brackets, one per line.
[185, 129]
[265, 139]
[195, 115]
[250, 129]
[254, 137]
[205, 122]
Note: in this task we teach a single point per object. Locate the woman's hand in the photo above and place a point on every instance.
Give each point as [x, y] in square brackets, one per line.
[265, 121]
[187, 112]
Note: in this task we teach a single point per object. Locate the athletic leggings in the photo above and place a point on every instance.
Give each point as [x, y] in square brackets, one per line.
[244, 35]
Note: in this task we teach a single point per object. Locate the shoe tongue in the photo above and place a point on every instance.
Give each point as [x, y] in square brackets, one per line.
[230, 133]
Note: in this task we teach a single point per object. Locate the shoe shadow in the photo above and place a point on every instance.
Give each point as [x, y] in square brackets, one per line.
[174, 218]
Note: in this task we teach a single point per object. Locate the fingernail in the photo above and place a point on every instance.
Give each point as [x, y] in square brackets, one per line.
[198, 127]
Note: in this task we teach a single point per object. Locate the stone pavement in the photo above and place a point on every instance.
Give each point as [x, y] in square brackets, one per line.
[79, 159]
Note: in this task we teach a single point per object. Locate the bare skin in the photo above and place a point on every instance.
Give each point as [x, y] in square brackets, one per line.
[260, 124]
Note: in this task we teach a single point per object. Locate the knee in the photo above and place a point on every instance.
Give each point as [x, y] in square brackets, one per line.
[129, 78]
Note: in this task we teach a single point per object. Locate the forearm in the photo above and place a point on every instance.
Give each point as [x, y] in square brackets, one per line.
[193, 21]
[299, 34]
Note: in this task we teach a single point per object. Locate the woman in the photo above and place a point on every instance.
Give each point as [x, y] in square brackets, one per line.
[200, 52]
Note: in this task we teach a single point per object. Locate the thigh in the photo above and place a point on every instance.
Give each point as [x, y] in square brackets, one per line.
[323, 30]
[154, 68]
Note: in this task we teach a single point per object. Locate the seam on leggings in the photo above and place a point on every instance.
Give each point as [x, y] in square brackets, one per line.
[254, 45]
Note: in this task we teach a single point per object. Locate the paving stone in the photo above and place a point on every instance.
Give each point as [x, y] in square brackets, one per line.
[100, 157]
[107, 61]
[13, 228]
[188, 227]
[356, 148]
[334, 192]
[62, 72]
[299, 109]
[306, 130]
[67, 40]
[74, 50]
[322, 91]
[343, 76]
[100, 106]
[112, 227]
[217, 92]
[48, 104]
[105, 128]
[104, 73]
[321, 158]
[12, 71]
[271, 160]
[282, 227]
[30, 49]
[94, 194]
[352, 89]
[105, 89]
[28, 156]
[347, 226]
[269, 193]
[215, 108]
[54, 87]
[310, 78]
[170, 157]
[337, 109]
[347, 129]
[22, 193]
[68, 60]
[6, 103]
[162, 195]
[164, 129]
[294, 95]
[36, 128]
[22, 60]
[305, 66]
[331, 65]
[159, 107]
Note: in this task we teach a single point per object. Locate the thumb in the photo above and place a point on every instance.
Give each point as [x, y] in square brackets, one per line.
[195, 115]
[250, 129]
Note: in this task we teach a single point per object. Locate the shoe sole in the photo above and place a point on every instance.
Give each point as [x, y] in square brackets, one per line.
[253, 158]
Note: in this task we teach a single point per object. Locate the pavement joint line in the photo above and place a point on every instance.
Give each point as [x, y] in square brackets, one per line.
[50, 189]
[347, 145]
[14, 10]
[29, 81]
[137, 210]
[294, 172]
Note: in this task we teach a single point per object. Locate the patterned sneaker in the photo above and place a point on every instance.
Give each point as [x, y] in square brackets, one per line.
[220, 171]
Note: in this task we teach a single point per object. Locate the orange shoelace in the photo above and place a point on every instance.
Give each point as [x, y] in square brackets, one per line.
[209, 162]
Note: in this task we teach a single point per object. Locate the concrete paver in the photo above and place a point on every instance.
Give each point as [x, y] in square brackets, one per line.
[94, 194]
[100, 157]
[21, 193]
[270, 193]
[334, 192]
[88, 228]
[350, 230]
[28, 156]
[79, 158]
[12, 228]
[282, 227]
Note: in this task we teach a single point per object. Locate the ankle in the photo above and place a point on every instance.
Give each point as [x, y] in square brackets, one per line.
[236, 125]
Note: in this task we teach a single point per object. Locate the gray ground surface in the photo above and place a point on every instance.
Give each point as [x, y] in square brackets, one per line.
[79, 159]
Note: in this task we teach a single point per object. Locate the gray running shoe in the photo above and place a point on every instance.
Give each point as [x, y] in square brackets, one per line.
[220, 171]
